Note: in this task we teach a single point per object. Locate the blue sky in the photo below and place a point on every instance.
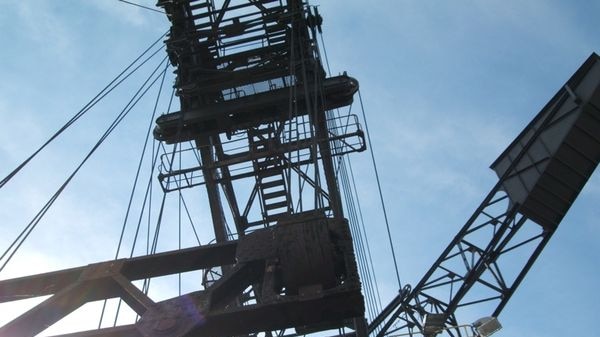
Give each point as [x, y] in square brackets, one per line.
[446, 86]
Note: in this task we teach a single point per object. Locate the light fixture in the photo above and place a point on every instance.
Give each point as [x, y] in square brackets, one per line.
[486, 326]
[433, 324]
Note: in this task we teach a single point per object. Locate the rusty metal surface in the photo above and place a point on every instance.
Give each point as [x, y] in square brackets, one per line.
[330, 293]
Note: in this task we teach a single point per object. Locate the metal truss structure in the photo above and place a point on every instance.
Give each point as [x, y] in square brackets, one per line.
[254, 96]
[257, 114]
[265, 261]
[541, 173]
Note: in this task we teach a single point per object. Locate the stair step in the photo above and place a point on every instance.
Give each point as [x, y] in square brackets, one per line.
[270, 172]
[275, 194]
[270, 184]
[276, 205]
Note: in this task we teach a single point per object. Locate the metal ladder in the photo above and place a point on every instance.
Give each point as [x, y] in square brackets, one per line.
[270, 177]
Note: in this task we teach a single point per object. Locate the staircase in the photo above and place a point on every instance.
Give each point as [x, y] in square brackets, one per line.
[274, 195]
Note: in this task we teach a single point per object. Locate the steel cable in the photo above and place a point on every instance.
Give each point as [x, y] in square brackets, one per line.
[362, 261]
[371, 285]
[36, 219]
[141, 6]
[105, 91]
[387, 224]
[137, 174]
[147, 200]
[362, 225]
[135, 180]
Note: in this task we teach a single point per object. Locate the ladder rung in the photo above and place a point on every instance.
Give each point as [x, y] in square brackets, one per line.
[270, 184]
[269, 172]
[275, 194]
[276, 205]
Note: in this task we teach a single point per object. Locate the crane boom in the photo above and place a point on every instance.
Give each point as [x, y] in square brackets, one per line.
[540, 175]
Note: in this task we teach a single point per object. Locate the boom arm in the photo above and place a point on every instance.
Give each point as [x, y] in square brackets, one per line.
[541, 173]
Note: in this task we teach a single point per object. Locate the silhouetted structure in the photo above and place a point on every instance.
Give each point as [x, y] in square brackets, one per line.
[256, 103]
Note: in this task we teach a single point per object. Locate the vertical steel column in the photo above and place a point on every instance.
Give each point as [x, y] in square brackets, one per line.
[205, 148]
[323, 140]
[240, 222]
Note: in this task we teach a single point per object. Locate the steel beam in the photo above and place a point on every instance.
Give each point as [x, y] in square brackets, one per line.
[268, 257]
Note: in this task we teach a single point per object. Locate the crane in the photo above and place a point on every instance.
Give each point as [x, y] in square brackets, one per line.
[113, 278]
[540, 175]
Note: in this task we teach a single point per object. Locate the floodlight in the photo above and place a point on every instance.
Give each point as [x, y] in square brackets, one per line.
[433, 324]
[486, 326]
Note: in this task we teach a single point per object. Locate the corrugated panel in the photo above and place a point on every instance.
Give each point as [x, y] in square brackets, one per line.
[548, 164]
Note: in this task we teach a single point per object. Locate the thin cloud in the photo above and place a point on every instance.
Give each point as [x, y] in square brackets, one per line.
[43, 24]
